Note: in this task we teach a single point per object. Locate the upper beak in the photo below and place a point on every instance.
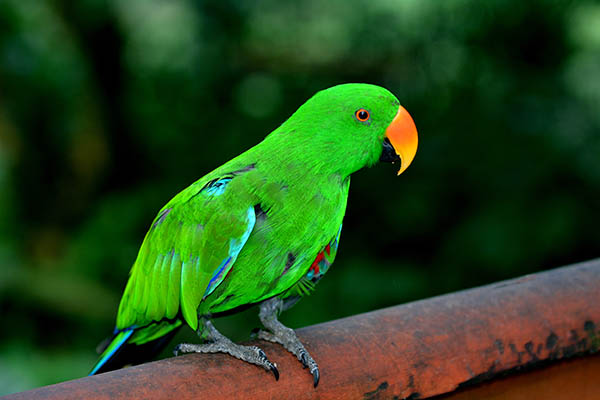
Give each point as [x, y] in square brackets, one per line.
[402, 134]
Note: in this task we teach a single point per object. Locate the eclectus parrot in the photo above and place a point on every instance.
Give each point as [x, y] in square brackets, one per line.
[261, 229]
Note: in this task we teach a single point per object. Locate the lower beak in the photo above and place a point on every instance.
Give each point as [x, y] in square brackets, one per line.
[402, 134]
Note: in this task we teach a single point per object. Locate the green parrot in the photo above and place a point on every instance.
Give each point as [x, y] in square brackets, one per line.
[262, 229]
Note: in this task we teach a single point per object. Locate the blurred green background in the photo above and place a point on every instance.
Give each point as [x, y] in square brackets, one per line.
[109, 108]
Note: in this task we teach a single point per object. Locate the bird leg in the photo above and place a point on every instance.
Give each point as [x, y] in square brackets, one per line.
[279, 333]
[217, 343]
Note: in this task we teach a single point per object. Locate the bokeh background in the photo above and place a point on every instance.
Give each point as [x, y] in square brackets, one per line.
[108, 108]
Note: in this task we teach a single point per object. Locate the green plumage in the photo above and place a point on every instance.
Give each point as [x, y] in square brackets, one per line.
[253, 227]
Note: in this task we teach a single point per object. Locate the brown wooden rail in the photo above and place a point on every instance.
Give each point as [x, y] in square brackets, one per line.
[528, 338]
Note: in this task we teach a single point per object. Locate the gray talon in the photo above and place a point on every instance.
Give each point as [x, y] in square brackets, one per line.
[279, 333]
[275, 372]
[217, 343]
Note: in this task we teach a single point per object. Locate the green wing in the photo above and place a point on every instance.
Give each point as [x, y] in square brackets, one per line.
[190, 247]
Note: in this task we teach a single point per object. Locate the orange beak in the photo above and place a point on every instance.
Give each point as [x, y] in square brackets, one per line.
[402, 134]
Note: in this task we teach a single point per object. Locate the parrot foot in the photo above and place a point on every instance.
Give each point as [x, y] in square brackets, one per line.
[281, 334]
[220, 344]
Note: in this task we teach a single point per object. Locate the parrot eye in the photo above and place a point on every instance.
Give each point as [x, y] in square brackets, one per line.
[362, 115]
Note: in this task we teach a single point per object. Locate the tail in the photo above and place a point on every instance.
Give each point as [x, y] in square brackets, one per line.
[136, 345]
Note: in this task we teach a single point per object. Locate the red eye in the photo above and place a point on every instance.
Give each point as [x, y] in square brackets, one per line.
[362, 115]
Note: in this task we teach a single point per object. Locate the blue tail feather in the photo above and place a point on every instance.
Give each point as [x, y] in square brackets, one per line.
[119, 340]
[135, 345]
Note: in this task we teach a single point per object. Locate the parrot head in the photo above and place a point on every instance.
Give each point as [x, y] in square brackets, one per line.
[351, 126]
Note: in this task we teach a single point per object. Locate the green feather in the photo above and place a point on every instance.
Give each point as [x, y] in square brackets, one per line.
[153, 331]
[174, 280]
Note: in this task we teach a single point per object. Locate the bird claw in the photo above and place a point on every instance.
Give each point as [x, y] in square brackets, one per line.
[264, 361]
[316, 377]
[309, 362]
[278, 333]
[275, 371]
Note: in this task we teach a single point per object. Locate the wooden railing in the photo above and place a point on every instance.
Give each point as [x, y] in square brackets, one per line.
[526, 338]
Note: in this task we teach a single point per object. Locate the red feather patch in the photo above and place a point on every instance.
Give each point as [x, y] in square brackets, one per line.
[315, 265]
